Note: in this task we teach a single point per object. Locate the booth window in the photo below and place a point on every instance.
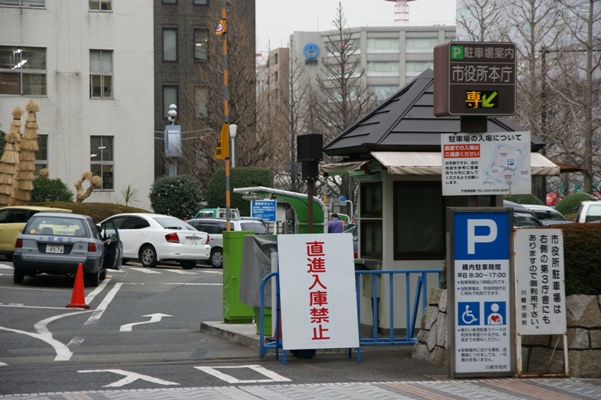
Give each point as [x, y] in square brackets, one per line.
[419, 219]
[371, 220]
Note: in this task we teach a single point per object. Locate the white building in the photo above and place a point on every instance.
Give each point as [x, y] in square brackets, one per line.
[90, 67]
[391, 56]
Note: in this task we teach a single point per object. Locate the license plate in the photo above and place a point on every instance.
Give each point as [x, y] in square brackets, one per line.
[55, 248]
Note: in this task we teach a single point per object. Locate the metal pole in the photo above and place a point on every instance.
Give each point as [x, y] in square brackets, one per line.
[226, 114]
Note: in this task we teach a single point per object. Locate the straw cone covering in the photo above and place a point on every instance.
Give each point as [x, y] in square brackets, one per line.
[10, 158]
[29, 145]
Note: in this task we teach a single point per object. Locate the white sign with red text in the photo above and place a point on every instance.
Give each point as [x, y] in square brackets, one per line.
[317, 291]
[495, 163]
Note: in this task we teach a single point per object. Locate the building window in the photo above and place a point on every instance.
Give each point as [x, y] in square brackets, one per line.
[201, 2]
[420, 45]
[169, 44]
[277, 58]
[22, 70]
[417, 67]
[101, 5]
[23, 3]
[101, 74]
[383, 67]
[383, 45]
[169, 97]
[41, 156]
[202, 98]
[201, 39]
[384, 91]
[169, 1]
[101, 160]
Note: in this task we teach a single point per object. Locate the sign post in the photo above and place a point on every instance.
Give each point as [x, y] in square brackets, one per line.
[480, 292]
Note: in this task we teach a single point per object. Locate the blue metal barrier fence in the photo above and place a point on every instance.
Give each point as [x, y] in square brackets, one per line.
[411, 308]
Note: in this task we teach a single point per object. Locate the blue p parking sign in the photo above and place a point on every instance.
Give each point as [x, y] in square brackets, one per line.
[480, 292]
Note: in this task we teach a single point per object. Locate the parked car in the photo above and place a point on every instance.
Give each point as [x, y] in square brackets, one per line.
[522, 215]
[548, 215]
[589, 211]
[151, 238]
[218, 212]
[215, 228]
[56, 243]
[12, 221]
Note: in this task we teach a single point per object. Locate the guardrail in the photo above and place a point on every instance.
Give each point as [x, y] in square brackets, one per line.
[411, 308]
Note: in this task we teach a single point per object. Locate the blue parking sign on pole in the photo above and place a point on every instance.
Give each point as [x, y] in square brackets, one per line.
[480, 288]
[264, 209]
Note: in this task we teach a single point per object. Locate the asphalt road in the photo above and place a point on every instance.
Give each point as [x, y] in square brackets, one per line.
[142, 332]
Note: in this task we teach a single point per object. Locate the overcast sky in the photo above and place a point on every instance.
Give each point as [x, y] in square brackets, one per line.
[278, 19]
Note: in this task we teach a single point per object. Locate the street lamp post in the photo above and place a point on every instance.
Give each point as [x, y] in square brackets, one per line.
[233, 129]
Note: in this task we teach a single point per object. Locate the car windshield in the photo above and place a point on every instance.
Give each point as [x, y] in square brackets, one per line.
[173, 223]
[255, 227]
[70, 227]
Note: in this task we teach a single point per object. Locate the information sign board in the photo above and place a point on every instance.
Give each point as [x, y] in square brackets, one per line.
[540, 290]
[479, 283]
[474, 78]
[318, 294]
[496, 163]
[264, 209]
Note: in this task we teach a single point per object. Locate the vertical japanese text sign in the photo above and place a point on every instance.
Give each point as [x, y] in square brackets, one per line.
[474, 78]
[317, 291]
[540, 289]
[479, 289]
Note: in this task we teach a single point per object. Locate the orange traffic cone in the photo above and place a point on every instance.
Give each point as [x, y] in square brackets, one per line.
[78, 298]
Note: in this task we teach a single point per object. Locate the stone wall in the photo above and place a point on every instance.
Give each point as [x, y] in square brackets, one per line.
[541, 354]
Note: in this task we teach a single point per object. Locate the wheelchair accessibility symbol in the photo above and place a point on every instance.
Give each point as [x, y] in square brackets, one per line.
[468, 313]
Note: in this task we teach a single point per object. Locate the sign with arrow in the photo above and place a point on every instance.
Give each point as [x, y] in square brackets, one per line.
[153, 318]
[474, 78]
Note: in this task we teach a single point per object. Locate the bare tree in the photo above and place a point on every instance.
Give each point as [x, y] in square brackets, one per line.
[341, 95]
[478, 20]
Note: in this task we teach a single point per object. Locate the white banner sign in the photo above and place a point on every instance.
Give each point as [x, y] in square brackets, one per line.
[495, 163]
[540, 289]
[317, 291]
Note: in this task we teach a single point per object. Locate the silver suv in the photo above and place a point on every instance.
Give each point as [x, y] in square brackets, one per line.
[215, 226]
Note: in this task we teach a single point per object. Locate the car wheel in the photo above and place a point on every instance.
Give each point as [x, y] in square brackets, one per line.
[93, 278]
[148, 256]
[216, 259]
[188, 264]
[18, 277]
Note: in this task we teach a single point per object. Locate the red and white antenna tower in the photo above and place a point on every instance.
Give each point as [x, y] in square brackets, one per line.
[401, 12]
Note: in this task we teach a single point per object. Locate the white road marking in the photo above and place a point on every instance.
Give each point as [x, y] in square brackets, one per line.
[129, 377]
[96, 314]
[144, 270]
[3, 364]
[177, 271]
[95, 292]
[62, 351]
[14, 305]
[4, 266]
[273, 377]
[153, 318]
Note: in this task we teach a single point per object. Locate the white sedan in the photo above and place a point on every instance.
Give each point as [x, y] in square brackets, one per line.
[151, 238]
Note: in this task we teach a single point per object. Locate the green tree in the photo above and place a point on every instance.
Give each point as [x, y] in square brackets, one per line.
[178, 196]
[239, 178]
[45, 189]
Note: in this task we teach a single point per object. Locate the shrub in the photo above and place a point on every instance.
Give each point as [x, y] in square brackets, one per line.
[45, 189]
[570, 203]
[239, 178]
[178, 196]
[524, 199]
